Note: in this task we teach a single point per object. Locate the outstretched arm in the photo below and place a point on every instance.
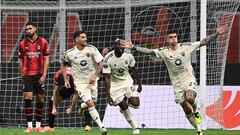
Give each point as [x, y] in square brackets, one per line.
[128, 44]
[210, 38]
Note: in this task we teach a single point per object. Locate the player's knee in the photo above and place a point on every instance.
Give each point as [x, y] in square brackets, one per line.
[190, 96]
[134, 105]
[123, 107]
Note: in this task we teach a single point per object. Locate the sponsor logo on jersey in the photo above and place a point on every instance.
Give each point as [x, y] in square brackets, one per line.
[83, 63]
[178, 62]
[121, 70]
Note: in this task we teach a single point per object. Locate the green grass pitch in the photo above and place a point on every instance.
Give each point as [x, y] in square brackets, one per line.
[76, 131]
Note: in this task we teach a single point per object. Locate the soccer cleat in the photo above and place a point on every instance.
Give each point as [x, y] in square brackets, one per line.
[136, 131]
[87, 128]
[28, 130]
[48, 129]
[103, 130]
[81, 111]
[38, 129]
[198, 118]
[199, 133]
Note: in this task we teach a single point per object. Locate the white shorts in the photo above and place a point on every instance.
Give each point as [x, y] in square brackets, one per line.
[181, 88]
[118, 95]
[87, 91]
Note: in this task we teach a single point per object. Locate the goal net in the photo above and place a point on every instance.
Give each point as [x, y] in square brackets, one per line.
[145, 22]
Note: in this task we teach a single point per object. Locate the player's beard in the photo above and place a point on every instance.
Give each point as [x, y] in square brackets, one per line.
[174, 43]
[30, 35]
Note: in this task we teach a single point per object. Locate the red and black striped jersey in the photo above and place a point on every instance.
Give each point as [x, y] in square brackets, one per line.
[32, 54]
[59, 77]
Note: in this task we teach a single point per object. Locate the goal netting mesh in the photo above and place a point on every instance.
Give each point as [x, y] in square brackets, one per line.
[145, 22]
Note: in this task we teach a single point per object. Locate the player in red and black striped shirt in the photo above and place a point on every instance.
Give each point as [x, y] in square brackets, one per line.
[33, 60]
[60, 93]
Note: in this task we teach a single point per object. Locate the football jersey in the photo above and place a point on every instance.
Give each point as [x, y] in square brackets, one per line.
[118, 67]
[84, 62]
[178, 62]
[32, 54]
[59, 77]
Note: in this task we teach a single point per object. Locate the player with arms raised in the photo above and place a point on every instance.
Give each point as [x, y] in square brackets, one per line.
[87, 63]
[177, 58]
[33, 63]
[119, 83]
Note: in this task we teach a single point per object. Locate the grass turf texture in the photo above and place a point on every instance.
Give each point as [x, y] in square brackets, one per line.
[79, 131]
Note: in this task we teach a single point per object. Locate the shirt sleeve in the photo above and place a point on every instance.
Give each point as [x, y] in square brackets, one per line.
[194, 46]
[132, 61]
[97, 55]
[20, 50]
[46, 51]
[65, 58]
[158, 53]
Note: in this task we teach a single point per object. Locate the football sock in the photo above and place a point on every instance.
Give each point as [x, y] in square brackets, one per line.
[95, 116]
[28, 111]
[128, 116]
[87, 117]
[50, 115]
[39, 113]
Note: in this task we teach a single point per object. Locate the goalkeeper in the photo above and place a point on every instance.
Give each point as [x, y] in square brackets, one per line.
[119, 83]
[61, 93]
[177, 58]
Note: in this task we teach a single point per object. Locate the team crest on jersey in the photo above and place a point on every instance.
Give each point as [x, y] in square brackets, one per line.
[126, 62]
[182, 53]
[88, 54]
[38, 47]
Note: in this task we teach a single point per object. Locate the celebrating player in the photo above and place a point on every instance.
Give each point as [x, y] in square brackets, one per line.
[86, 62]
[33, 63]
[119, 83]
[177, 58]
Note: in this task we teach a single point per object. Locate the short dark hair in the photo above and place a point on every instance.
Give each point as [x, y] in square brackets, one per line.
[30, 23]
[171, 32]
[77, 33]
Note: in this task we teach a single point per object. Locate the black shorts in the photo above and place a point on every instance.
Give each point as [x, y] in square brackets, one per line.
[66, 92]
[30, 84]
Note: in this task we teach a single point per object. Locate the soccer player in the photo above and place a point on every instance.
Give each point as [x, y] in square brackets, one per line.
[87, 63]
[60, 93]
[177, 57]
[119, 83]
[83, 106]
[33, 64]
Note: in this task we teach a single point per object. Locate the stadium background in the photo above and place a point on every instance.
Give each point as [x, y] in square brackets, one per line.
[46, 22]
